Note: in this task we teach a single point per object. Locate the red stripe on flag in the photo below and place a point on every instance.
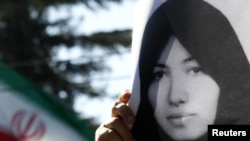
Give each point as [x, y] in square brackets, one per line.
[4, 136]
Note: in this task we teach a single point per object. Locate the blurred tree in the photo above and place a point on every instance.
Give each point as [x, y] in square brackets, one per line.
[27, 47]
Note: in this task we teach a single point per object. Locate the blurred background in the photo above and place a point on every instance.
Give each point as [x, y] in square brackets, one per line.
[77, 50]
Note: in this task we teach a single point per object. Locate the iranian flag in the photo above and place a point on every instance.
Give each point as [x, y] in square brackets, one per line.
[29, 114]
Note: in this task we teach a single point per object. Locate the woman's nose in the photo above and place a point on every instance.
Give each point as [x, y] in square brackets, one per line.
[177, 94]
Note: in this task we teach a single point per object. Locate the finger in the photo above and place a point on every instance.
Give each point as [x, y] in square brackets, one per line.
[122, 130]
[124, 112]
[124, 96]
[105, 134]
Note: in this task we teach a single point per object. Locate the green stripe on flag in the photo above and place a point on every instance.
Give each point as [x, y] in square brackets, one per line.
[43, 100]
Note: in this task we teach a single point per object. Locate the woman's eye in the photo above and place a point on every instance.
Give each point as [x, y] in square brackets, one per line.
[195, 70]
[159, 74]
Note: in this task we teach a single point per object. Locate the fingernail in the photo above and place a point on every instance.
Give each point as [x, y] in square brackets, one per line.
[126, 96]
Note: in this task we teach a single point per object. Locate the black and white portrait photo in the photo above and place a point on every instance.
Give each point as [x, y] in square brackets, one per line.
[192, 70]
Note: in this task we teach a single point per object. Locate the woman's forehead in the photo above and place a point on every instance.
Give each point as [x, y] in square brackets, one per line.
[174, 52]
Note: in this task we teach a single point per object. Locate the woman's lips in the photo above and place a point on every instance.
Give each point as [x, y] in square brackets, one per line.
[179, 119]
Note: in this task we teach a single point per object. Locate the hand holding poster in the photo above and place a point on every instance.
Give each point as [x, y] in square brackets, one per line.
[193, 69]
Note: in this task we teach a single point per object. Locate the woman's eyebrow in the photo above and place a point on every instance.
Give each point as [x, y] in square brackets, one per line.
[160, 65]
[189, 59]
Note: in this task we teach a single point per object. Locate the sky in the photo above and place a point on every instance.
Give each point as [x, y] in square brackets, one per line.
[116, 16]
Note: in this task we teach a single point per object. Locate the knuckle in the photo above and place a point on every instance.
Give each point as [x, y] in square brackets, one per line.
[118, 110]
[102, 133]
[113, 124]
[107, 135]
[114, 121]
[115, 112]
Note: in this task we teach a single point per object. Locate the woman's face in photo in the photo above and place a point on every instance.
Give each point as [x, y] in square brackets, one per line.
[184, 98]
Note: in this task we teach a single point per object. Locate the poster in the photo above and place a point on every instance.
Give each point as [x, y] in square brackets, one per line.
[191, 68]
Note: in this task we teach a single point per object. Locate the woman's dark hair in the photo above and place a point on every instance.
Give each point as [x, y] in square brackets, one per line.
[209, 37]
